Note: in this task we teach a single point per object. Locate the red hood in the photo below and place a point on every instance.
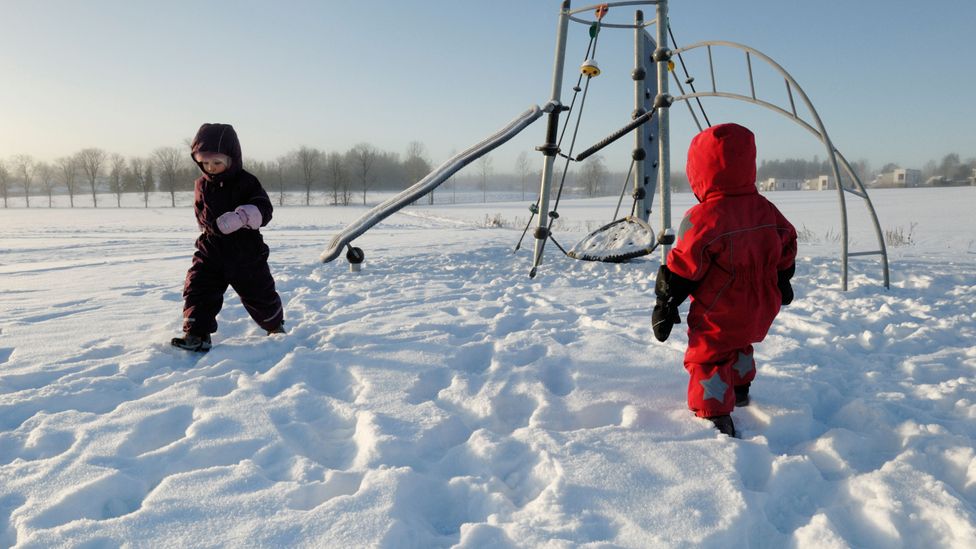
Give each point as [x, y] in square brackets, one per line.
[722, 162]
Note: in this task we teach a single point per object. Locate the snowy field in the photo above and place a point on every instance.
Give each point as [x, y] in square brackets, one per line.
[440, 397]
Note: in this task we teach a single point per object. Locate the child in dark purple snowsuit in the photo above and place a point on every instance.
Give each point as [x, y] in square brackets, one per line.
[230, 206]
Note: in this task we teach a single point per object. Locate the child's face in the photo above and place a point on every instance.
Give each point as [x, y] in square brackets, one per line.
[212, 163]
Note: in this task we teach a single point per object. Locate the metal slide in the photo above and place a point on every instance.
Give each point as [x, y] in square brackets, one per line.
[431, 181]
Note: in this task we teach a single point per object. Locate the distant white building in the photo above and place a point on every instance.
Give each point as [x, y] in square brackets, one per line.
[900, 177]
[780, 184]
[821, 183]
[908, 177]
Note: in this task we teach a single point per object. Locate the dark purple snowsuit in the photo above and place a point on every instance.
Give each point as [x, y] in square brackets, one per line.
[238, 259]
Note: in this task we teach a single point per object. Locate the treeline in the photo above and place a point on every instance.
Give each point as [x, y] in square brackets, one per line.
[346, 177]
[950, 169]
[342, 177]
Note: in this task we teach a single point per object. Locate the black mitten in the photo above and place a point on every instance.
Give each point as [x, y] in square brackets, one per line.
[671, 291]
[785, 288]
[663, 319]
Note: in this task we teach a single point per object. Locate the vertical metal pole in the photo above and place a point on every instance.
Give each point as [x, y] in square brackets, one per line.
[640, 105]
[832, 156]
[549, 148]
[664, 128]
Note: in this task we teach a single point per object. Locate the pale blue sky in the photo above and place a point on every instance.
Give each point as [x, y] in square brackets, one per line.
[893, 80]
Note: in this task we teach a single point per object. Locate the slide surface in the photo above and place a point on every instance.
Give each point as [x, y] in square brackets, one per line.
[430, 182]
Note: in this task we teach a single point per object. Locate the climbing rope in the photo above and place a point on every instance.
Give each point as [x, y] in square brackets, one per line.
[690, 80]
[623, 191]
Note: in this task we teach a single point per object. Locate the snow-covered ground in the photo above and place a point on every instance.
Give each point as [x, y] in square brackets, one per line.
[440, 397]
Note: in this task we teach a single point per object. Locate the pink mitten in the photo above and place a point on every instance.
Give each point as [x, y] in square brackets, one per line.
[251, 216]
[230, 222]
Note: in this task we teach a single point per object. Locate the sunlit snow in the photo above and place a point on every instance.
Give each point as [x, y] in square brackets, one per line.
[441, 397]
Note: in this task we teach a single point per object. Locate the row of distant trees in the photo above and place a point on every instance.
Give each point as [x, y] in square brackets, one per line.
[171, 170]
[346, 176]
[950, 168]
[343, 177]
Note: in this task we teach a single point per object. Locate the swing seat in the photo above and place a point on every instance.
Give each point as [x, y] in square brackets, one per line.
[616, 242]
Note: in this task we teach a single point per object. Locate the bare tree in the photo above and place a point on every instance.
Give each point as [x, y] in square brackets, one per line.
[310, 163]
[417, 166]
[278, 168]
[147, 182]
[522, 169]
[4, 182]
[46, 174]
[115, 177]
[132, 177]
[27, 167]
[335, 174]
[68, 166]
[91, 161]
[485, 168]
[363, 157]
[168, 161]
[949, 166]
[862, 169]
[593, 174]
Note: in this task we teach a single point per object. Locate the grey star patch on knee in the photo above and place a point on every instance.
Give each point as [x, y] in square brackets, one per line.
[714, 388]
[744, 364]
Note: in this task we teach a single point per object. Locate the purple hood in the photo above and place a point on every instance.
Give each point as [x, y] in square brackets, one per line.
[218, 138]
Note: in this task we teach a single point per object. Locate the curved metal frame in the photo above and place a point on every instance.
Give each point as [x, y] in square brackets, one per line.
[570, 14]
[819, 131]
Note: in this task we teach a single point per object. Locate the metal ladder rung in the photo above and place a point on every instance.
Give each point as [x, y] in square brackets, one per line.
[854, 254]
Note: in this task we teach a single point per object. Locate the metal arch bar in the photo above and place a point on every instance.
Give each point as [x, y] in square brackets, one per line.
[874, 217]
[615, 5]
[711, 68]
[821, 130]
[748, 99]
[613, 25]
[572, 13]
[789, 91]
[861, 192]
[799, 121]
[843, 161]
[752, 83]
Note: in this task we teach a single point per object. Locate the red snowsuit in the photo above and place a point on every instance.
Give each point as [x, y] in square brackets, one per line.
[733, 251]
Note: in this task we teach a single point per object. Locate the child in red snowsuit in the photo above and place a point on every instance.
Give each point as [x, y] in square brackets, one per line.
[230, 206]
[734, 255]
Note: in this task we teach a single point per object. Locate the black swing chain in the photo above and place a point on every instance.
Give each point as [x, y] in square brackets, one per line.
[688, 79]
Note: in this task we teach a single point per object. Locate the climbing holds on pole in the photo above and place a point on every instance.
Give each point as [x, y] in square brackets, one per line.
[589, 68]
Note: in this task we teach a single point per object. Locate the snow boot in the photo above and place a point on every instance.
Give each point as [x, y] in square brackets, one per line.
[279, 330]
[723, 424]
[191, 342]
[742, 395]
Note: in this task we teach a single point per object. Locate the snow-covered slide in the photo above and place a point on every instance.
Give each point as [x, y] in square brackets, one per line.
[430, 182]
